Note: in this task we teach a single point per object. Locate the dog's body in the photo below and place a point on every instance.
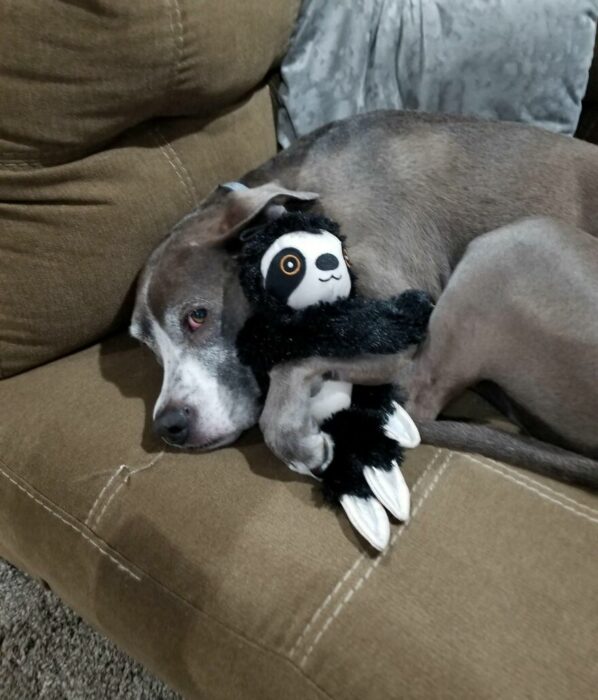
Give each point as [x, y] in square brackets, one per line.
[411, 192]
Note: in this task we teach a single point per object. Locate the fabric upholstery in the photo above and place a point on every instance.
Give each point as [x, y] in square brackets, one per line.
[107, 107]
[75, 235]
[77, 74]
[224, 573]
[517, 60]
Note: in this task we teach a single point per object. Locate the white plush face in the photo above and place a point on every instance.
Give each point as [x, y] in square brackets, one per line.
[301, 269]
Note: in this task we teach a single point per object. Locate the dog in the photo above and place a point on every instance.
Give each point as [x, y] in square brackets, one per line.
[411, 191]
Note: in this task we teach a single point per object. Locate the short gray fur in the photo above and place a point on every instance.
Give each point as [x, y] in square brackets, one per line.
[518, 60]
[410, 192]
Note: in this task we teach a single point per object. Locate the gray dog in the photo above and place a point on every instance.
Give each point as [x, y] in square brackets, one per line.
[411, 192]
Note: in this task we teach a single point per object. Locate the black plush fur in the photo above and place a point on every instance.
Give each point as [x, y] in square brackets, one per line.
[359, 441]
[346, 328]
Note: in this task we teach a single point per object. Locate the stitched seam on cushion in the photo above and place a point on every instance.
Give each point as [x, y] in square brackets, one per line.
[129, 473]
[372, 568]
[351, 570]
[325, 604]
[176, 30]
[538, 484]
[545, 496]
[62, 519]
[20, 164]
[102, 492]
[16, 159]
[108, 502]
[144, 574]
[113, 495]
[237, 633]
[179, 38]
[176, 164]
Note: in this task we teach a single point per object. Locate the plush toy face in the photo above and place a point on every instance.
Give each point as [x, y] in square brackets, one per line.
[300, 269]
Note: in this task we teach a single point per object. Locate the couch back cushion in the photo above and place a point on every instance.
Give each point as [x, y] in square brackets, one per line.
[76, 74]
[117, 119]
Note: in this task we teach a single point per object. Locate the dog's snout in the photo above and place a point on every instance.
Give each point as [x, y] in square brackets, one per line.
[172, 425]
[327, 261]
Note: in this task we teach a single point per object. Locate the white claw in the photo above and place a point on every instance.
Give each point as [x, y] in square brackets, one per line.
[369, 518]
[390, 489]
[400, 427]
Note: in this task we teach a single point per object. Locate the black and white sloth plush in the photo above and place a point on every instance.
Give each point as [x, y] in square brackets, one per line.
[295, 273]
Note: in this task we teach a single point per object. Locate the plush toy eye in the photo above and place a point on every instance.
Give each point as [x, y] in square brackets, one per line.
[196, 318]
[290, 265]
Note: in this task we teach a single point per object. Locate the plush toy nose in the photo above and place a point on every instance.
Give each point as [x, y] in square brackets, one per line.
[327, 261]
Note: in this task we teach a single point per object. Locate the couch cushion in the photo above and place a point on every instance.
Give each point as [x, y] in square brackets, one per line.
[75, 75]
[74, 236]
[225, 574]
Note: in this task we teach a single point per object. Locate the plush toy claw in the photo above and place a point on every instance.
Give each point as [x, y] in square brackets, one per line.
[391, 490]
[369, 518]
[400, 427]
[364, 476]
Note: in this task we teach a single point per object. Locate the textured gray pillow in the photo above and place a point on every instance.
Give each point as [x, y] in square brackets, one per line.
[521, 60]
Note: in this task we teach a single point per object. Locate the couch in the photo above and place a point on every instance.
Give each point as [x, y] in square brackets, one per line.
[223, 572]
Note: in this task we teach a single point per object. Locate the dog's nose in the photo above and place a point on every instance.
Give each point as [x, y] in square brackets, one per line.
[172, 425]
[327, 261]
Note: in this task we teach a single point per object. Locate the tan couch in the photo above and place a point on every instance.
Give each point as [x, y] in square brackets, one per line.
[222, 572]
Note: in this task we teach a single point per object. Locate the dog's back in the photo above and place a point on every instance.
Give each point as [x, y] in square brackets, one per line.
[411, 190]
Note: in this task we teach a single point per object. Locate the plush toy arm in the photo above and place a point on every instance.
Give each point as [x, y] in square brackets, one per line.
[344, 329]
[358, 326]
[413, 308]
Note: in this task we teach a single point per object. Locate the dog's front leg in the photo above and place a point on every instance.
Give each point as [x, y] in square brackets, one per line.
[287, 425]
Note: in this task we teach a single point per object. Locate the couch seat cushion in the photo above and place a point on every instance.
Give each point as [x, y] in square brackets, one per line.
[224, 573]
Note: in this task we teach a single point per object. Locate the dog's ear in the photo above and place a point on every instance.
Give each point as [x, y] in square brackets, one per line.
[241, 206]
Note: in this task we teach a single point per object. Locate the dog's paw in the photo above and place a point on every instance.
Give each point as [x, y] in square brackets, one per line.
[307, 453]
[311, 455]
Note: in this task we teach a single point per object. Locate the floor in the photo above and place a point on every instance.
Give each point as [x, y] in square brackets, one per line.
[48, 652]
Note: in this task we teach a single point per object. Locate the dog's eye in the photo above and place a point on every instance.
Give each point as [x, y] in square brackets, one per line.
[196, 318]
[290, 264]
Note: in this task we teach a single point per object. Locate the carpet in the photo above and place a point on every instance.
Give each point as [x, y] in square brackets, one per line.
[49, 652]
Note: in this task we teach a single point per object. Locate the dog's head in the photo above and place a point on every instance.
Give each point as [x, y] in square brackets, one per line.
[189, 310]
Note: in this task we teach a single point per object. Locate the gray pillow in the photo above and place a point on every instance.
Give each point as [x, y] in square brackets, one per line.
[519, 60]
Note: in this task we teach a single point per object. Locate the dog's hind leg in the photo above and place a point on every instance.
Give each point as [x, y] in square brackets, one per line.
[451, 358]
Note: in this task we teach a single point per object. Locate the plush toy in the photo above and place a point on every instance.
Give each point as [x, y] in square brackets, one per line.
[296, 275]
